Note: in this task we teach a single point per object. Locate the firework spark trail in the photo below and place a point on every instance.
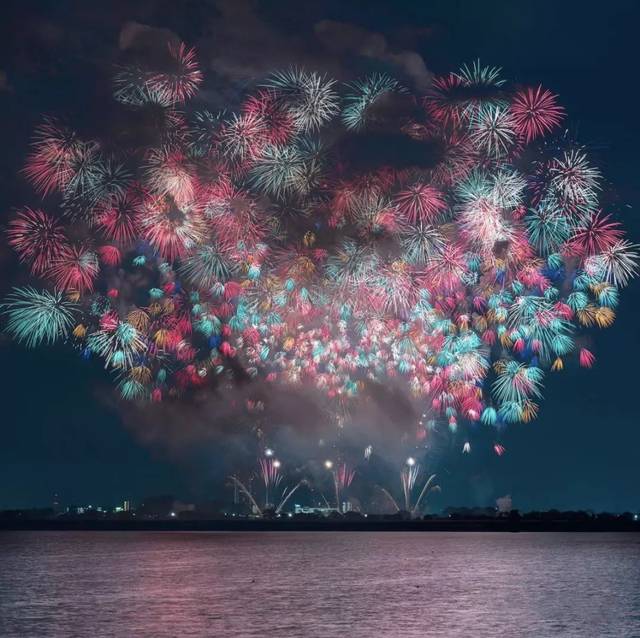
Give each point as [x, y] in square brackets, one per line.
[426, 489]
[249, 245]
[287, 494]
[409, 475]
[271, 477]
[243, 488]
[342, 475]
[269, 471]
[393, 501]
[408, 478]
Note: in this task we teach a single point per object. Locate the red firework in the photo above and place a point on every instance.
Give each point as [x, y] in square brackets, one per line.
[119, 218]
[170, 229]
[269, 108]
[37, 238]
[182, 82]
[587, 358]
[169, 173]
[595, 237]
[234, 215]
[535, 112]
[343, 476]
[75, 269]
[446, 269]
[110, 255]
[50, 164]
[444, 103]
[420, 203]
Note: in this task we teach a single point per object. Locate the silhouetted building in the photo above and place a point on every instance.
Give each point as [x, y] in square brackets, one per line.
[318, 511]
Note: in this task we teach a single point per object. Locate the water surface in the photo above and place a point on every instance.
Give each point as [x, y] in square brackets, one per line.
[324, 584]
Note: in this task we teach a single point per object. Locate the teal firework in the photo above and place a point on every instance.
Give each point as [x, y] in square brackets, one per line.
[38, 317]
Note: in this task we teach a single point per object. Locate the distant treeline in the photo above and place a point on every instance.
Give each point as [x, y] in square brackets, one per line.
[453, 519]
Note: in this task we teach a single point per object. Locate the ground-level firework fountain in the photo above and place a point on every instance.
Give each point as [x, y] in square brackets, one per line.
[274, 492]
[276, 496]
[409, 478]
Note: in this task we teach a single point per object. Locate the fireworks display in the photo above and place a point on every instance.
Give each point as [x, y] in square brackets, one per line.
[275, 495]
[266, 492]
[323, 236]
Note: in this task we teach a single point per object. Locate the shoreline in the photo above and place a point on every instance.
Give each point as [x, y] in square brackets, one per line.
[318, 525]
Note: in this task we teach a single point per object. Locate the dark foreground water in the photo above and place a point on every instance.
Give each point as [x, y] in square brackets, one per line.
[325, 584]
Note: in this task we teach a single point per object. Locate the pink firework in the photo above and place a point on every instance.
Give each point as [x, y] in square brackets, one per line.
[183, 80]
[535, 112]
[270, 472]
[50, 164]
[395, 291]
[37, 238]
[596, 236]
[446, 268]
[233, 215]
[344, 196]
[169, 173]
[170, 229]
[269, 108]
[587, 358]
[444, 103]
[420, 203]
[483, 224]
[119, 218]
[343, 476]
[75, 269]
[110, 255]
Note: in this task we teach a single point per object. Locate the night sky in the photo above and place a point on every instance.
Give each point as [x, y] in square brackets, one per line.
[61, 428]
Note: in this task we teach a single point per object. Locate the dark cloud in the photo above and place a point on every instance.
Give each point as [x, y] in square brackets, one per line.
[340, 39]
[134, 35]
[242, 46]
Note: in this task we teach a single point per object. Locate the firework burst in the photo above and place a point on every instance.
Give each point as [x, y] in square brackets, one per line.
[535, 112]
[37, 238]
[38, 317]
[263, 245]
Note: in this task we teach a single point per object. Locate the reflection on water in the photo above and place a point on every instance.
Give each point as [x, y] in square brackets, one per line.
[325, 584]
